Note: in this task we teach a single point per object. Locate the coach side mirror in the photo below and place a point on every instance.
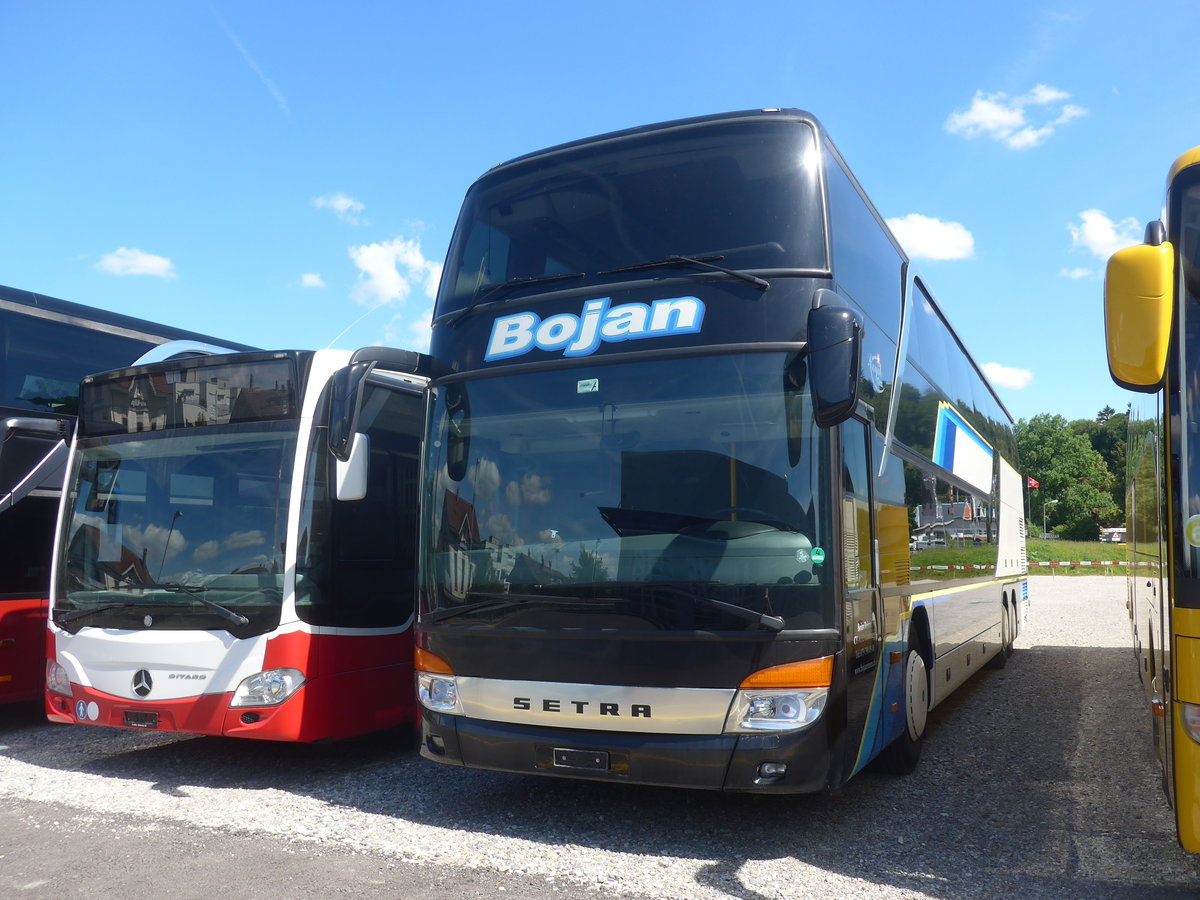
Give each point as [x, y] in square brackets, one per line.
[345, 401]
[350, 474]
[834, 355]
[1137, 311]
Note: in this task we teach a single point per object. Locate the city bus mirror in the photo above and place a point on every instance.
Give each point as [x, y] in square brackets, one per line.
[344, 403]
[351, 473]
[834, 357]
[1137, 312]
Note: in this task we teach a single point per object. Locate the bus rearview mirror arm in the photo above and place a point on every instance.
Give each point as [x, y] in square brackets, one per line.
[345, 402]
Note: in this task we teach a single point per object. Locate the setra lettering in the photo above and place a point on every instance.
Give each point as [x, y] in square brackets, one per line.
[597, 323]
[582, 707]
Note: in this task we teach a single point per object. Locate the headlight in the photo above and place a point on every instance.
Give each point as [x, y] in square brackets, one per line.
[789, 710]
[268, 688]
[439, 693]
[1191, 719]
[56, 679]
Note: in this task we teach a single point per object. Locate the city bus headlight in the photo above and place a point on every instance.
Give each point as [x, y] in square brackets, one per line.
[439, 693]
[56, 679]
[757, 711]
[268, 688]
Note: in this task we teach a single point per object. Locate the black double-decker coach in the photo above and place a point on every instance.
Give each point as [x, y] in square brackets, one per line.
[676, 503]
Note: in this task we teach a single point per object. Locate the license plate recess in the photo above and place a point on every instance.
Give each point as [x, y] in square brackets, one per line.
[572, 758]
[140, 719]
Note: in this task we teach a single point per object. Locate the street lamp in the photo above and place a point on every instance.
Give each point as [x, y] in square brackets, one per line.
[1044, 505]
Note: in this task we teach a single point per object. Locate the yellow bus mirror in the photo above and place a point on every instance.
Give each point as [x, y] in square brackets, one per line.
[1137, 314]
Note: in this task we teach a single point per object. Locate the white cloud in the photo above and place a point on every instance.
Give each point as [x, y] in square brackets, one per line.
[209, 550]
[388, 272]
[131, 261]
[1006, 119]
[240, 540]
[1003, 376]
[926, 238]
[1076, 273]
[1101, 236]
[311, 280]
[345, 208]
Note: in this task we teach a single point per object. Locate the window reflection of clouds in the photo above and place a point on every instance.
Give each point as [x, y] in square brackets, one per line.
[485, 479]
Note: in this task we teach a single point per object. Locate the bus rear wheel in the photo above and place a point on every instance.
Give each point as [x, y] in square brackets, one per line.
[901, 756]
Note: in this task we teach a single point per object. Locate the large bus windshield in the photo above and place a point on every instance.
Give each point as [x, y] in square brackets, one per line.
[743, 196]
[646, 489]
[178, 504]
[155, 528]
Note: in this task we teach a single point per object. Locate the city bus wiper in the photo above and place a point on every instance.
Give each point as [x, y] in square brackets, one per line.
[74, 615]
[497, 289]
[195, 591]
[705, 261]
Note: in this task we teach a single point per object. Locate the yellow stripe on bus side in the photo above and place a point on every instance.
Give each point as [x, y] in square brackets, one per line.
[959, 589]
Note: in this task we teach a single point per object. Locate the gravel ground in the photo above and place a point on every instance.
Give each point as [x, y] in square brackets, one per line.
[1037, 780]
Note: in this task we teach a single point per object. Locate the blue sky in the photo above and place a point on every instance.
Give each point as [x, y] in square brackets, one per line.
[288, 174]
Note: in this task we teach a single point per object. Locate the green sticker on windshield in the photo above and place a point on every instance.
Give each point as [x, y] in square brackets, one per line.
[818, 555]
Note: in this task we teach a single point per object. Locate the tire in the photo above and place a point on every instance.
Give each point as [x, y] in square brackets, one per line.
[901, 756]
[1000, 660]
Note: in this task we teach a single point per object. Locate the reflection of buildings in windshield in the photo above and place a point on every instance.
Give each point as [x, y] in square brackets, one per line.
[153, 403]
[939, 522]
[464, 567]
[675, 493]
[97, 562]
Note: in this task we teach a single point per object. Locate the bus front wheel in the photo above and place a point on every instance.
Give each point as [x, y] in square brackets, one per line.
[900, 757]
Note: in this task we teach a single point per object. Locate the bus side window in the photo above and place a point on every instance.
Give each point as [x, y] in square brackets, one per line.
[856, 506]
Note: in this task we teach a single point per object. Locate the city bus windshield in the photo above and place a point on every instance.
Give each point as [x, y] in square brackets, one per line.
[715, 200]
[177, 530]
[672, 494]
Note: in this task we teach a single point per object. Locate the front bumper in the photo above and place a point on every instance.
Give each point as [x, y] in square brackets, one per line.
[730, 762]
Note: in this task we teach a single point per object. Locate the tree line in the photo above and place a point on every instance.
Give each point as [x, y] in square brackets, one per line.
[1079, 469]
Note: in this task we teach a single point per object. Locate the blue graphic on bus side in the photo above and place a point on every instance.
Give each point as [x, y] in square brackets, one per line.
[81, 711]
[598, 322]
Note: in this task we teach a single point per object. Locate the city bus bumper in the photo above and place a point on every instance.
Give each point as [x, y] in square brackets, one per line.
[730, 762]
[206, 714]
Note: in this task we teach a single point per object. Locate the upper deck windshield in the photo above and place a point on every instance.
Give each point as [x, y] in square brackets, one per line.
[676, 494]
[182, 530]
[741, 194]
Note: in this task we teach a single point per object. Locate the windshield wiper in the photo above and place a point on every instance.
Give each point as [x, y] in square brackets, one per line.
[195, 591]
[771, 623]
[74, 615]
[705, 261]
[497, 600]
[497, 289]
